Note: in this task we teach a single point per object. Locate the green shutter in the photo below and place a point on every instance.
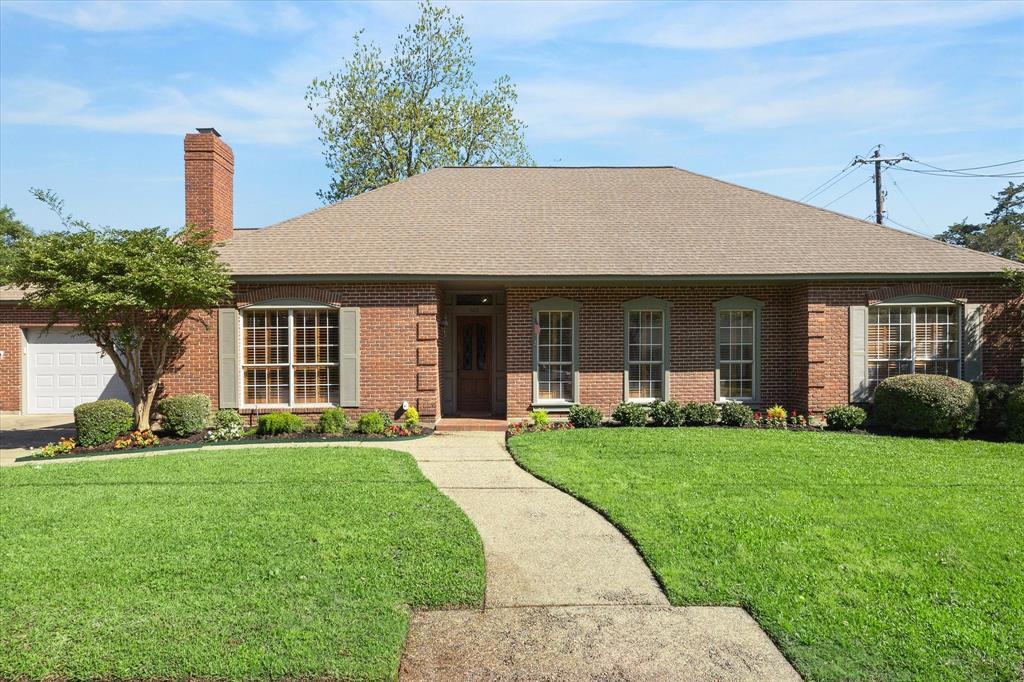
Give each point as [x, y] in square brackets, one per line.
[858, 354]
[227, 333]
[349, 322]
[973, 326]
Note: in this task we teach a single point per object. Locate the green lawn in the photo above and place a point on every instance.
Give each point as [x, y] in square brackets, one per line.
[241, 564]
[862, 557]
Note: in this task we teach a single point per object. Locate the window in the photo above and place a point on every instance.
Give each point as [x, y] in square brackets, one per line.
[290, 356]
[555, 357]
[913, 339]
[646, 350]
[738, 323]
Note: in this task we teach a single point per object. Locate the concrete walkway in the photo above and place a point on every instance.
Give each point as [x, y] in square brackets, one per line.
[567, 596]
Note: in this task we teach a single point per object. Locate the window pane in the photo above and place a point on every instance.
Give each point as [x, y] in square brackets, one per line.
[315, 385]
[266, 386]
[555, 356]
[912, 339]
[736, 354]
[645, 337]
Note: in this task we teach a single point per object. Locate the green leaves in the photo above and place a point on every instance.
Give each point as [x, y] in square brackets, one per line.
[382, 121]
[1002, 234]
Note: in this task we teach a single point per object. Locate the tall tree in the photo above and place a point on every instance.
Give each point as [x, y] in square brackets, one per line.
[382, 121]
[1002, 232]
[133, 292]
[12, 230]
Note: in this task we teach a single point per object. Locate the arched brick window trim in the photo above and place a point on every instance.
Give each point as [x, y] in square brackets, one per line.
[288, 291]
[916, 289]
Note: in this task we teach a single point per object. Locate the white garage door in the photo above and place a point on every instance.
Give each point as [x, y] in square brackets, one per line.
[65, 370]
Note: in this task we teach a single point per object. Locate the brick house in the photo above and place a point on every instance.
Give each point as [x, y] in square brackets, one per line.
[491, 291]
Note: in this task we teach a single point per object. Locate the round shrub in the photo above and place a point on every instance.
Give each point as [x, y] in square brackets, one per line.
[227, 425]
[926, 403]
[412, 417]
[630, 414]
[184, 415]
[332, 420]
[1015, 415]
[102, 421]
[667, 413]
[540, 418]
[992, 398]
[701, 414]
[371, 422]
[585, 416]
[279, 422]
[736, 414]
[845, 417]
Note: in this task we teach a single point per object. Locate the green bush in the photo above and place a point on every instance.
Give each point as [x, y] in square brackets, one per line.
[279, 422]
[926, 403]
[585, 416]
[227, 425]
[630, 414]
[1015, 415]
[412, 417]
[102, 421]
[667, 413]
[540, 417]
[333, 420]
[371, 422]
[184, 415]
[845, 417]
[737, 414]
[701, 414]
[992, 397]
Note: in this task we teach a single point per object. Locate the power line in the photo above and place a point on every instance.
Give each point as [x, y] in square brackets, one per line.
[831, 182]
[906, 227]
[846, 193]
[911, 203]
[957, 170]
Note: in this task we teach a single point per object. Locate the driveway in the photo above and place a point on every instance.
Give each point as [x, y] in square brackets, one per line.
[18, 433]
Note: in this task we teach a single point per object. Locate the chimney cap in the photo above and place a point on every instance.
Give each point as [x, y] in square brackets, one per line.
[208, 131]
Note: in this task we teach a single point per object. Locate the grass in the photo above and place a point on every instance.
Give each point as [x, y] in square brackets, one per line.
[258, 563]
[863, 557]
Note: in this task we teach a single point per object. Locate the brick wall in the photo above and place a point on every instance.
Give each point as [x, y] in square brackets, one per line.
[804, 343]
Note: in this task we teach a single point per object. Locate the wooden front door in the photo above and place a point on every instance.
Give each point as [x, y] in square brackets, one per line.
[473, 353]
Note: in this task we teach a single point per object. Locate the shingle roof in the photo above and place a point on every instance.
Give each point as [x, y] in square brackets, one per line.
[585, 222]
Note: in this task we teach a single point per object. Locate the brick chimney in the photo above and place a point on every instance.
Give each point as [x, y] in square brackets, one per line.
[209, 183]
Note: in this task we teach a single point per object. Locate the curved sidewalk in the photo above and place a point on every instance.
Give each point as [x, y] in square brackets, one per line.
[567, 596]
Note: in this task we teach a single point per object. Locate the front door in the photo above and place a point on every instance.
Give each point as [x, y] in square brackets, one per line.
[474, 353]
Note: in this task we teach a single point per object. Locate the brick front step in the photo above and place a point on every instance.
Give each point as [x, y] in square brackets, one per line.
[470, 424]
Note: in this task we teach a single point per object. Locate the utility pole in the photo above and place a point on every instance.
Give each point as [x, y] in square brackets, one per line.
[876, 158]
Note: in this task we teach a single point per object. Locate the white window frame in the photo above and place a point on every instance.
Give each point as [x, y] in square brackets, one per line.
[556, 305]
[740, 304]
[647, 304]
[913, 304]
[291, 307]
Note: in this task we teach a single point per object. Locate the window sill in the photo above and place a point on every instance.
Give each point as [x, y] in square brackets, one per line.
[560, 406]
[642, 401]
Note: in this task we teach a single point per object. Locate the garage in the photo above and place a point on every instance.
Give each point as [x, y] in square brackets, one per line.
[64, 370]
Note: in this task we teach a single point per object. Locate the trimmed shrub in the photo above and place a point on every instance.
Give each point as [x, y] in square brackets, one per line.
[585, 416]
[540, 417]
[992, 398]
[184, 415]
[736, 414]
[701, 414]
[412, 417]
[845, 417]
[926, 403]
[333, 420]
[102, 421]
[279, 422]
[667, 413]
[227, 425]
[1015, 415]
[630, 414]
[371, 422]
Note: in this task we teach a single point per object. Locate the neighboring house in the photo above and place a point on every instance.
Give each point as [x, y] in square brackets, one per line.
[492, 291]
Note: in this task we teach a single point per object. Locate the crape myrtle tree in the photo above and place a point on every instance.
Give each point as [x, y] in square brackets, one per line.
[133, 292]
[385, 120]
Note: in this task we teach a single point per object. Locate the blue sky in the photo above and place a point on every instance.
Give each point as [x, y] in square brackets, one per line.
[95, 97]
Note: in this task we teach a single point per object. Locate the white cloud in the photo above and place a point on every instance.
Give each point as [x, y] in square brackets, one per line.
[124, 15]
[729, 26]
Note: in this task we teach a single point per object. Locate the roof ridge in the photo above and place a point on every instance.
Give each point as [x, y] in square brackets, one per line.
[904, 233]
